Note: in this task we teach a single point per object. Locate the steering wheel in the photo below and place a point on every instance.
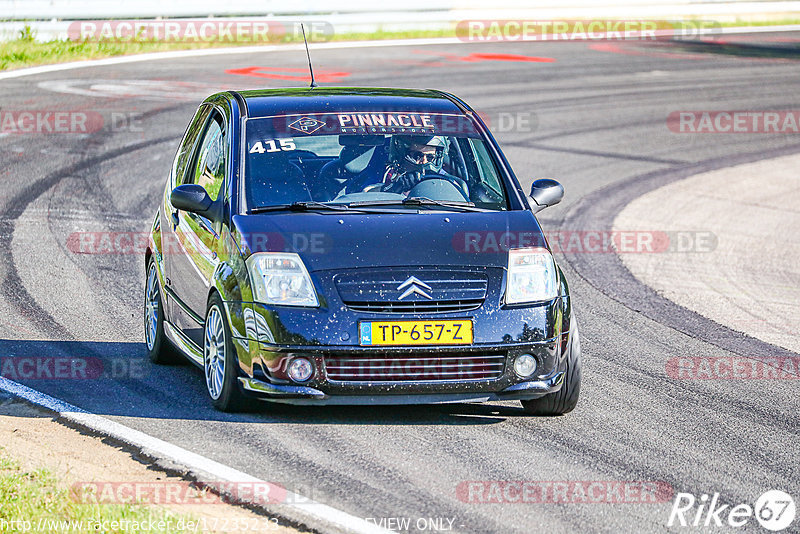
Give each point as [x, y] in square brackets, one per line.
[372, 187]
[455, 180]
[460, 184]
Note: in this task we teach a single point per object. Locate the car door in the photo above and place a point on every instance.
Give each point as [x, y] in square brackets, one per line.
[169, 216]
[192, 268]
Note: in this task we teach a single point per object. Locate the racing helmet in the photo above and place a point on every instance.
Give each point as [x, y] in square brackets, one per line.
[401, 152]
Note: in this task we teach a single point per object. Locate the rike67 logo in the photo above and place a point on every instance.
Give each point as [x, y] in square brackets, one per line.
[774, 510]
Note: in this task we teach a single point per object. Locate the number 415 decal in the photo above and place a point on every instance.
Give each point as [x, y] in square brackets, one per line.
[272, 146]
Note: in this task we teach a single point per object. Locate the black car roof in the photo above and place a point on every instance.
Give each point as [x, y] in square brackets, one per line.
[267, 102]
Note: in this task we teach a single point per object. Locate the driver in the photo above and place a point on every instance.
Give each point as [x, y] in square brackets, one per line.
[410, 159]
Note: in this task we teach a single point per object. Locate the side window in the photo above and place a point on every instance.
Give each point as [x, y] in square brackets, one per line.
[188, 142]
[486, 168]
[209, 166]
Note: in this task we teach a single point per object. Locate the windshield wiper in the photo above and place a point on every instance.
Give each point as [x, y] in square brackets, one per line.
[301, 206]
[420, 201]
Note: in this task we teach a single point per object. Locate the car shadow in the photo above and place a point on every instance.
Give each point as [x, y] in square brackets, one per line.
[117, 379]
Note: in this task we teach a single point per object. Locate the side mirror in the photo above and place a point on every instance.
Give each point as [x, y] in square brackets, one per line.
[194, 199]
[545, 192]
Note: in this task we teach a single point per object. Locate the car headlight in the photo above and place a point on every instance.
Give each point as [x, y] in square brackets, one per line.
[281, 278]
[531, 276]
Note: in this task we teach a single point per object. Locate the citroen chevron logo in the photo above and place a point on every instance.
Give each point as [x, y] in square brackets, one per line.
[414, 285]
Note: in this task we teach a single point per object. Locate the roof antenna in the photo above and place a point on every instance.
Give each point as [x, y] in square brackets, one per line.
[308, 55]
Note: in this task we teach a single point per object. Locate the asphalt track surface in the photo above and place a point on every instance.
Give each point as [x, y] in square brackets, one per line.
[598, 125]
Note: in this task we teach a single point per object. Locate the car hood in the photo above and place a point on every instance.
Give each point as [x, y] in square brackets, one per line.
[328, 240]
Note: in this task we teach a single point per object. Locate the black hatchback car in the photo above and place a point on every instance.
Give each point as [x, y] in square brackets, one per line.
[357, 246]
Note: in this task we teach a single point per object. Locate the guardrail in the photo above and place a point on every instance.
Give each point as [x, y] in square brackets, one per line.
[50, 19]
[81, 9]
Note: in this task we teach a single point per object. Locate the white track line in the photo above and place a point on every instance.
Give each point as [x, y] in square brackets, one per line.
[206, 470]
[316, 46]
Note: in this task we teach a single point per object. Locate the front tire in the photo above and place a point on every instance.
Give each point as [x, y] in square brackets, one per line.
[564, 400]
[220, 362]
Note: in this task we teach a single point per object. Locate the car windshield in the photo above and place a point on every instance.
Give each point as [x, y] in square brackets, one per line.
[376, 158]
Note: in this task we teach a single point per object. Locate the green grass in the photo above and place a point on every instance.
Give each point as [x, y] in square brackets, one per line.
[783, 22]
[36, 497]
[27, 52]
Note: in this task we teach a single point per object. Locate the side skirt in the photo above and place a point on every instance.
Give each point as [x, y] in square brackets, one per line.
[192, 352]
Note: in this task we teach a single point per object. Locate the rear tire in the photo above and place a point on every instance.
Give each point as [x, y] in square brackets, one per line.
[220, 362]
[564, 400]
[159, 348]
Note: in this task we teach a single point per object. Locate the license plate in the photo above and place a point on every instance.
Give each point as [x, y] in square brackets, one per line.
[446, 332]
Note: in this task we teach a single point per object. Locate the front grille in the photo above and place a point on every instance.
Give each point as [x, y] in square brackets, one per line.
[441, 306]
[442, 290]
[415, 368]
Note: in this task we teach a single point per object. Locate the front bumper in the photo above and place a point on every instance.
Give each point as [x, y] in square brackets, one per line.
[276, 335]
[321, 389]
[304, 395]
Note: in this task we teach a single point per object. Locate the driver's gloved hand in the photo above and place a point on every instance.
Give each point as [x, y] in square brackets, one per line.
[404, 182]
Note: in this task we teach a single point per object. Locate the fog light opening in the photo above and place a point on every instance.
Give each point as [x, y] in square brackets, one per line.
[300, 369]
[525, 365]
